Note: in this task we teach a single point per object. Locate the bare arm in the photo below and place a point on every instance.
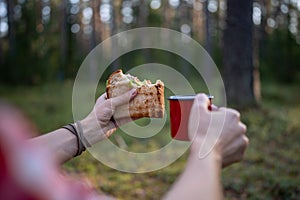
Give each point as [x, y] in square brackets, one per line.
[60, 142]
[218, 139]
[199, 180]
[96, 126]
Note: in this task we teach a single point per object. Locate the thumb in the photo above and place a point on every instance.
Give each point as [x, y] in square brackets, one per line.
[203, 102]
[199, 108]
[123, 99]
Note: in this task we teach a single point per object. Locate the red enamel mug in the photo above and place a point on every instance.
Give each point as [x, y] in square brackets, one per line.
[180, 107]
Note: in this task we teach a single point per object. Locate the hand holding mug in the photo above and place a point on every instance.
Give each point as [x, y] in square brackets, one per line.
[219, 130]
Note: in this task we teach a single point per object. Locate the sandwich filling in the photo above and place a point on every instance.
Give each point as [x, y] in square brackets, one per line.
[131, 81]
[149, 101]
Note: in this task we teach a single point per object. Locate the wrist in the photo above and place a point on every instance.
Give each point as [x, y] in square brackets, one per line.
[91, 129]
[201, 150]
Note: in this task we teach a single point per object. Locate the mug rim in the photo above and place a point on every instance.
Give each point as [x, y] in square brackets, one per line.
[182, 97]
[186, 97]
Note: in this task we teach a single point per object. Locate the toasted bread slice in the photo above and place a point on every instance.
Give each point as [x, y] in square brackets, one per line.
[149, 101]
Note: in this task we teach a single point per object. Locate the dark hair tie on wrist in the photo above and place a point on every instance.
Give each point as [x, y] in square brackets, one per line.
[73, 130]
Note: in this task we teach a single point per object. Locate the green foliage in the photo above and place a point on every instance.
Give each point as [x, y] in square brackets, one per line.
[48, 105]
[33, 53]
[270, 169]
[279, 57]
[36, 52]
[155, 19]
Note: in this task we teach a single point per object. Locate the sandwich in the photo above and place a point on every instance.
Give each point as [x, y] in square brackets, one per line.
[149, 101]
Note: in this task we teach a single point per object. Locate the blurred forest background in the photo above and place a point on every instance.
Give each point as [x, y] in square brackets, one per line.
[48, 39]
[255, 44]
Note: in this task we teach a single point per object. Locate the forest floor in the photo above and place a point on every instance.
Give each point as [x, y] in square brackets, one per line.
[270, 169]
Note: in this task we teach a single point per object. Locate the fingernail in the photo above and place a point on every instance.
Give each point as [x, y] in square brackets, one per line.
[133, 92]
[209, 107]
[214, 107]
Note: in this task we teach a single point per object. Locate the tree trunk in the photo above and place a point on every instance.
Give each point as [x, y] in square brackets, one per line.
[93, 41]
[63, 40]
[142, 22]
[96, 23]
[114, 30]
[198, 22]
[208, 43]
[143, 14]
[12, 69]
[11, 31]
[256, 74]
[238, 53]
[1, 51]
[1, 54]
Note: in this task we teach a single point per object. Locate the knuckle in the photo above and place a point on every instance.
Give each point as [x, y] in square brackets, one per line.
[231, 113]
[236, 114]
[243, 128]
[246, 141]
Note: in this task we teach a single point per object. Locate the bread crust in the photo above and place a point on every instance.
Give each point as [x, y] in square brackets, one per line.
[115, 75]
[149, 101]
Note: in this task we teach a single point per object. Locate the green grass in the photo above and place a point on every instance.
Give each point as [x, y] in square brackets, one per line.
[270, 170]
[48, 106]
[271, 166]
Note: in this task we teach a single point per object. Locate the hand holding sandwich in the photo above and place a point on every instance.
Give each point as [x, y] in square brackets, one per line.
[126, 99]
[100, 122]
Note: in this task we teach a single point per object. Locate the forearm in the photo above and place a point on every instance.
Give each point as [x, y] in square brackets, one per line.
[61, 143]
[200, 179]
